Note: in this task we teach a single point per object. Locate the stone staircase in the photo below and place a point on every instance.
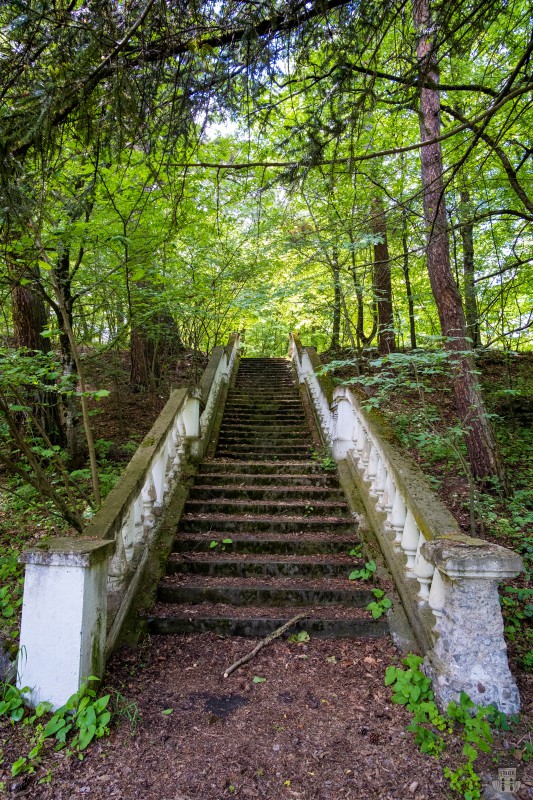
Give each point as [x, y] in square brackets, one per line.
[266, 532]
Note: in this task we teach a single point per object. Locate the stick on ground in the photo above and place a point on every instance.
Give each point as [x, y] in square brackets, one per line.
[263, 643]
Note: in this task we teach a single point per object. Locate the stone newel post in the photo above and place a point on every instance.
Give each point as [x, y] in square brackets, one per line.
[470, 653]
[62, 640]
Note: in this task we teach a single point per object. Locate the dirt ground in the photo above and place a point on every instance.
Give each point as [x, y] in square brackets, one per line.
[320, 727]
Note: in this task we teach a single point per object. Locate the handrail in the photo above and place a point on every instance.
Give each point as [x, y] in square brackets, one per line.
[84, 606]
[447, 580]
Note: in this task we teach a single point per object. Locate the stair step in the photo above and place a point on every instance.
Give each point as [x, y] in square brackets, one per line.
[268, 542]
[257, 455]
[326, 622]
[247, 566]
[283, 507]
[286, 522]
[240, 592]
[316, 480]
[262, 467]
[192, 523]
[272, 493]
[255, 438]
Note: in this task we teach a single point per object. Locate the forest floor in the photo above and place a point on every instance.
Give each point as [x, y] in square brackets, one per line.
[321, 726]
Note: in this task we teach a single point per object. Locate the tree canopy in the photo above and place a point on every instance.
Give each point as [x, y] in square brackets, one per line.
[172, 171]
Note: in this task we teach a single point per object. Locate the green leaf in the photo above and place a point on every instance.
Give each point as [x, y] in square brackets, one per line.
[167, 712]
[86, 736]
[18, 766]
[257, 679]
[54, 725]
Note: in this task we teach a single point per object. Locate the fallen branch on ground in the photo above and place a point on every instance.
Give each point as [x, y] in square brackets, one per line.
[263, 643]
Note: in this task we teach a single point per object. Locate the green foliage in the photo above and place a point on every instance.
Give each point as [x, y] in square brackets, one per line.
[432, 730]
[214, 544]
[325, 459]
[365, 573]
[83, 718]
[302, 637]
[380, 605]
[11, 587]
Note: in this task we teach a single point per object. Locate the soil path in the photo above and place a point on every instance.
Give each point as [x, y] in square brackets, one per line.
[319, 727]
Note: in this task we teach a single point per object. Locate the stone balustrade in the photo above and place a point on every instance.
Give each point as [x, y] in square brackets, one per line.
[447, 581]
[78, 591]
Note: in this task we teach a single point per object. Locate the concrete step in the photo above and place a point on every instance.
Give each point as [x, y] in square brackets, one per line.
[316, 480]
[266, 542]
[284, 507]
[278, 467]
[331, 623]
[262, 566]
[310, 494]
[276, 448]
[266, 454]
[261, 441]
[243, 592]
[226, 523]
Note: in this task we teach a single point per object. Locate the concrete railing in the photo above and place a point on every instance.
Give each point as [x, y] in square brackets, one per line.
[78, 591]
[447, 581]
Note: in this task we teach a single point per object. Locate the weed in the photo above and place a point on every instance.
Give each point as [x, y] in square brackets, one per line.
[81, 719]
[325, 459]
[299, 638]
[12, 582]
[365, 573]
[215, 544]
[380, 605]
[412, 688]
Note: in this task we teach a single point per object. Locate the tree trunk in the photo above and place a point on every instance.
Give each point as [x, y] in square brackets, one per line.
[335, 336]
[482, 447]
[382, 279]
[69, 406]
[152, 343]
[408, 289]
[29, 318]
[467, 236]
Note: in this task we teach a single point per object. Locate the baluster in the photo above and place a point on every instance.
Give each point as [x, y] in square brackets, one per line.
[409, 541]
[360, 441]
[170, 470]
[437, 595]
[397, 518]
[423, 570]
[138, 519]
[127, 533]
[148, 499]
[380, 482]
[388, 494]
[372, 465]
[365, 454]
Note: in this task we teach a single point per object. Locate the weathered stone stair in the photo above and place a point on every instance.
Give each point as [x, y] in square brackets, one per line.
[265, 533]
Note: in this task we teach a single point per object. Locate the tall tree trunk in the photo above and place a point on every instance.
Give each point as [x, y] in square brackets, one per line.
[467, 236]
[408, 289]
[482, 447]
[362, 339]
[69, 405]
[335, 335]
[155, 338]
[382, 279]
[29, 318]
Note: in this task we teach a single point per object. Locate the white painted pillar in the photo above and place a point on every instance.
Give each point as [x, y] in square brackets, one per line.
[64, 616]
